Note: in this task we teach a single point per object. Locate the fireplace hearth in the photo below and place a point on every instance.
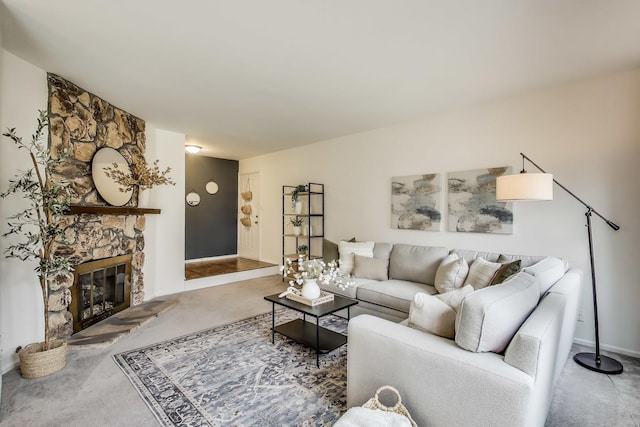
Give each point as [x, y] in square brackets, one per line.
[101, 288]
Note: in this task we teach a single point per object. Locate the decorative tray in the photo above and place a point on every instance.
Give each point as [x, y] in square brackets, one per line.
[324, 297]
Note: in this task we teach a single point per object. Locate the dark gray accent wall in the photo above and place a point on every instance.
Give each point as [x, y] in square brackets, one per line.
[212, 226]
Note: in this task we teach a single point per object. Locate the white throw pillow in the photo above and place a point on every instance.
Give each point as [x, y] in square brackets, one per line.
[454, 298]
[548, 271]
[432, 315]
[358, 248]
[481, 272]
[451, 273]
[489, 318]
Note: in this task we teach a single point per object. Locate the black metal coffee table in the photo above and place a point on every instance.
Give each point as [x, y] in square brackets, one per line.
[322, 340]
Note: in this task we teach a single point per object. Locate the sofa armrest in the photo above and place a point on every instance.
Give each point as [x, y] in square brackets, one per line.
[441, 384]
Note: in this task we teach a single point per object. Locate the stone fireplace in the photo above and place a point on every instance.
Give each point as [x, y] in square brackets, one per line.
[81, 123]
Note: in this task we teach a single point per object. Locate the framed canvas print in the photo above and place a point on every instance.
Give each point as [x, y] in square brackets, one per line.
[472, 202]
[415, 202]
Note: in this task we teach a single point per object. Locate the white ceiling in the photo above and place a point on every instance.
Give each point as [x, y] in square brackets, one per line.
[247, 77]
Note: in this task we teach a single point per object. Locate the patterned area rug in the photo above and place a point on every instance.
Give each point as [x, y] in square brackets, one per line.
[232, 375]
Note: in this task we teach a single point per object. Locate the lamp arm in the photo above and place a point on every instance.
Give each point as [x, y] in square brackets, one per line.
[609, 223]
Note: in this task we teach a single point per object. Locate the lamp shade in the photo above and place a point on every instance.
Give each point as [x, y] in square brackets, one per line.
[525, 186]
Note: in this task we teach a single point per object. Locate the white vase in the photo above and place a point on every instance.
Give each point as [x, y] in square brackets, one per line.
[298, 207]
[310, 289]
[143, 198]
[296, 230]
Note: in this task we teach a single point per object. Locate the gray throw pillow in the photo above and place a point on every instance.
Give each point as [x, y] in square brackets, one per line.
[370, 268]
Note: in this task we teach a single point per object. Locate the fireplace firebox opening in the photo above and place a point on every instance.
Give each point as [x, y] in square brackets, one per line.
[101, 288]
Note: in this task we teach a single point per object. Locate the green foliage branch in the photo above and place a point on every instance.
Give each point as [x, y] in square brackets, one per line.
[39, 224]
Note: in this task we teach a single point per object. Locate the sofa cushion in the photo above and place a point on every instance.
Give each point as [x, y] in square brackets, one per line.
[330, 249]
[525, 260]
[416, 263]
[451, 273]
[471, 255]
[350, 292]
[507, 270]
[356, 248]
[395, 294]
[454, 298]
[432, 315]
[548, 271]
[481, 272]
[370, 268]
[490, 317]
[382, 250]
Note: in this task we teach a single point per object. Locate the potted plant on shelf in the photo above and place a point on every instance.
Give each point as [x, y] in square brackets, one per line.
[295, 202]
[142, 175]
[297, 225]
[39, 225]
[302, 250]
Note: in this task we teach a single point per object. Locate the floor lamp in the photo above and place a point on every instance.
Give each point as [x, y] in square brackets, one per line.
[539, 186]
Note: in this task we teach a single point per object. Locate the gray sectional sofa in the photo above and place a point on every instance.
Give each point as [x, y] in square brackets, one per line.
[506, 356]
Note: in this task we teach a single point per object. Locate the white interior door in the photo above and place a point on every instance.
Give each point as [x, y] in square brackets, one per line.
[249, 231]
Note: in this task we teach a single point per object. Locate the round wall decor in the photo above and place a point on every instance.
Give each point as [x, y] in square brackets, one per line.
[211, 187]
[193, 199]
[107, 187]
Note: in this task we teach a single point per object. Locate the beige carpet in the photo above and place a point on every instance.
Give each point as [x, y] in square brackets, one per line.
[92, 390]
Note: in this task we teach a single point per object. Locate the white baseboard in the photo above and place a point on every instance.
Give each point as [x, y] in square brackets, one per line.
[608, 347]
[223, 279]
[213, 258]
[12, 365]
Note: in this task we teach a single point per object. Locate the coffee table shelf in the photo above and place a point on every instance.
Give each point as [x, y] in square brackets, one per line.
[321, 339]
[304, 333]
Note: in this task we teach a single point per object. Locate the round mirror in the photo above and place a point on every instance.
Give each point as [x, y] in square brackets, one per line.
[211, 187]
[193, 199]
[112, 192]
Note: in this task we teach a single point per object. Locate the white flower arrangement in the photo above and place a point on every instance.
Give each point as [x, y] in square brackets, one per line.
[323, 272]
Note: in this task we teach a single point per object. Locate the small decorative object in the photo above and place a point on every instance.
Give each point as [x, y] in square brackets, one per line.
[193, 199]
[309, 273]
[211, 187]
[246, 221]
[472, 202]
[246, 209]
[107, 187]
[371, 410]
[310, 289]
[302, 250]
[247, 194]
[415, 202]
[40, 225]
[141, 175]
[294, 294]
[295, 203]
[297, 225]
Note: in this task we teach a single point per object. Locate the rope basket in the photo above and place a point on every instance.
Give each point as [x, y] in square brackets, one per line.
[36, 363]
[398, 408]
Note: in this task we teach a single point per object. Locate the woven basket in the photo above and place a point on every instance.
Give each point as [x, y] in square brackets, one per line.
[36, 363]
[398, 408]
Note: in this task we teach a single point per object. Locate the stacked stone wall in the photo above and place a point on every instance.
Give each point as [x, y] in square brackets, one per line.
[81, 123]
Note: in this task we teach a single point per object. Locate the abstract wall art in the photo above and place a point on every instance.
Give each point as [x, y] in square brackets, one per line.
[472, 202]
[415, 202]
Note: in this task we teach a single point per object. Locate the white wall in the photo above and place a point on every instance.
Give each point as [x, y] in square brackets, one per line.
[23, 91]
[165, 233]
[587, 133]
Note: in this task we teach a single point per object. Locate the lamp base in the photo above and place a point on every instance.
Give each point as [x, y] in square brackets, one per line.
[606, 365]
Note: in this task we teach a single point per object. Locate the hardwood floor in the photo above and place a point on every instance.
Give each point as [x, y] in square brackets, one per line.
[196, 270]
